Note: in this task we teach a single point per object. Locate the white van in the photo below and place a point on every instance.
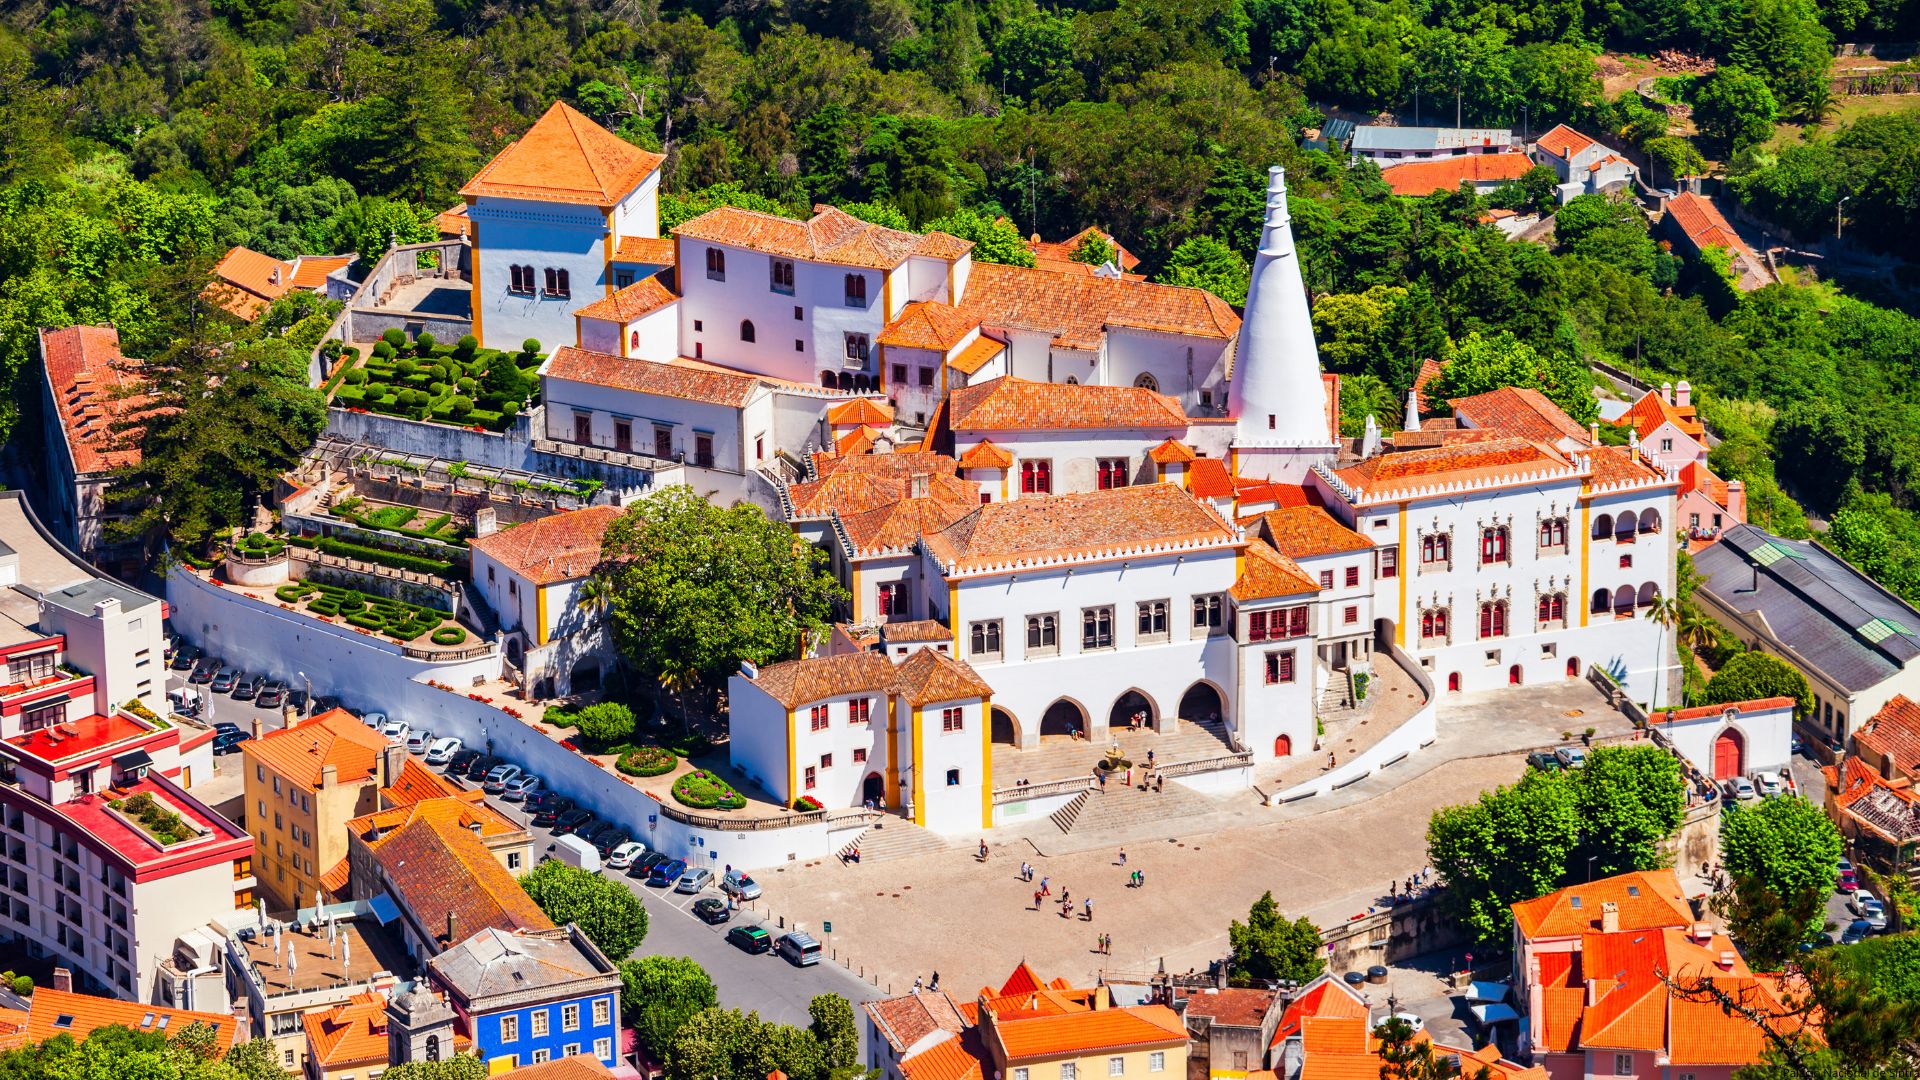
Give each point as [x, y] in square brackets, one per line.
[577, 853]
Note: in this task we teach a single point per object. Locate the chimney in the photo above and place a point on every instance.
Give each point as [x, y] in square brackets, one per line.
[1683, 393]
[1702, 932]
[292, 716]
[329, 776]
[486, 522]
[259, 729]
[453, 924]
[107, 609]
[1666, 392]
[1609, 918]
[1593, 993]
[63, 980]
[1737, 500]
[1727, 958]
[1593, 432]
[391, 759]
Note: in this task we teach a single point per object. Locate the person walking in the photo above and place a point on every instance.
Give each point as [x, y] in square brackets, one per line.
[1123, 856]
[1139, 879]
[1129, 776]
[983, 850]
[1045, 889]
[1026, 872]
[1036, 899]
[1149, 759]
[1066, 895]
[1089, 909]
[916, 984]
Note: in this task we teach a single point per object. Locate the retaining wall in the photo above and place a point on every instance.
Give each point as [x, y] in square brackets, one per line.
[512, 449]
[1390, 936]
[1416, 731]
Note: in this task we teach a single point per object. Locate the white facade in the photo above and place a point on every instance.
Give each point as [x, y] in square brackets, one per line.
[546, 236]
[1745, 737]
[652, 336]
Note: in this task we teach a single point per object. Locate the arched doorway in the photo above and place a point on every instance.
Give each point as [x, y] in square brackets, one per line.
[1283, 746]
[1201, 704]
[874, 790]
[1002, 728]
[1514, 675]
[1063, 717]
[1573, 667]
[1131, 709]
[1729, 755]
[1453, 681]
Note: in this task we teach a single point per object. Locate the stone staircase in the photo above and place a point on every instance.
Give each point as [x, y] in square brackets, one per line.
[894, 838]
[1121, 807]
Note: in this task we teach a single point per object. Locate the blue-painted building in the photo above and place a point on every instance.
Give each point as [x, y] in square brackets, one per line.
[564, 216]
[530, 996]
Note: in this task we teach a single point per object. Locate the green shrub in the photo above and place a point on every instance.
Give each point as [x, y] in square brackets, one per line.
[423, 343]
[466, 384]
[395, 338]
[461, 405]
[509, 408]
[356, 376]
[22, 985]
[383, 350]
[436, 388]
[293, 592]
[367, 621]
[703, 790]
[465, 347]
[399, 560]
[407, 368]
[530, 346]
[646, 761]
[449, 635]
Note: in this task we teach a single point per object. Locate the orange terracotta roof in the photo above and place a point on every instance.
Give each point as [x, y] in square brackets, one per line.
[855, 484]
[1701, 220]
[468, 808]
[1647, 900]
[1010, 404]
[417, 783]
[311, 271]
[1699, 711]
[1325, 997]
[858, 440]
[1171, 452]
[1652, 410]
[1894, 733]
[1429, 371]
[1078, 311]
[1024, 980]
[976, 355]
[1208, 478]
[564, 157]
[1267, 574]
[335, 737]
[1233, 1006]
[671, 379]
[53, 1012]
[1446, 174]
[1616, 465]
[1563, 142]
[1695, 475]
[1334, 1035]
[1301, 532]
[643, 297]
[1493, 461]
[351, 1033]
[928, 324]
[562, 547]
[928, 676]
[651, 250]
[571, 1067]
[1061, 251]
[985, 455]
[453, 221]
[794, 683]
[1092, 524]
[13, 1028]
[830, 236]
[335, 881]
[248, 281]
[1521, 411]
[897, 526]
[948, 1059]
[1103, 1030]
[438, 866]
[1262, 491]
[93, 386]
[860, 411]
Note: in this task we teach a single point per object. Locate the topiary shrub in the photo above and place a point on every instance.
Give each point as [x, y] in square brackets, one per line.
[464, 349]
[436, 388]
[423, 343]
[647, 761]
[356, 376]
[466, 385]
[406, 369]
[805, 803]
[460, 406]
[449, 635]
[395, 338]
[509, 409]
[383, 350]
[530, 346]
[293, 592]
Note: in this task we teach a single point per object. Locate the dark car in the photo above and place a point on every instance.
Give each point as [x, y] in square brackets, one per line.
[570, 821]
[224, 680]
[224, 727]
[608, 838]
[462, 761]
[228, 742]
[204, 671]
[712, 910]
[549, 812]
[665, 874]
[246, 687]
[272, 696]
[298, 699]
[185, 658]
[642, 867]
[1544, 761]
[753, 939]
[483, 765]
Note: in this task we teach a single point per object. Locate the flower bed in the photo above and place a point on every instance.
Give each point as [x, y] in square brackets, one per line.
[165, 826]
[647, 761]
[395, 618]
[806, 802]
[703, 790]
[448, 635]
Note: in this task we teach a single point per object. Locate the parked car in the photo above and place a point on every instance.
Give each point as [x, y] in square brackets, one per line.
[418, 740]
[498, 777]
[1571, 757]
[298, 699]
[642, 867]
[551, 810]
[666, 873]
[374, 720]
[622, 857]
[1868, 906]
[1769, 783]
[396, 732]
[1544, 760]
[245, 687]
[712, 910]
[750, 939]
[224, 680]
[1739, 788]
[185, 659]
[693, 880]
[228, 742]
[273, 695]
[1849, 878]
[480, 767]
[518, 788]
[608, 837]
[224, 727]
[1856, 932]
[461, 761]
[737, 884]
[442, 750]
[204, 670]
[800, 949]
[1797, 748]
[572, 821]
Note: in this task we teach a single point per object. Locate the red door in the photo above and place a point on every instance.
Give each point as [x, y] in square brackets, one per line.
[1283, 746]
[1513, 675]
[1453, 680]
[1573, 667]
[1727, 754]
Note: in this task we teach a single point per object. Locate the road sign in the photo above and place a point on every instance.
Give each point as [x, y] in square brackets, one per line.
[826, 926]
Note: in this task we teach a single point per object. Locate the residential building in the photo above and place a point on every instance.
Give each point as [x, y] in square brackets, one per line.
[1707, 505]
[1064, 439]
[1584, 165]
[347, 1041]
[1643, 900]
[532, 576]
[1344, 565]
[1391, 144]
[56, 1010]
[531, 996]
[704, 416]
[1228, 1029]
[92, 406]
[1484, 173]
[578, 1067]
[302, 969]
[552, 219]
[1326, 1031]
[929, 348]
[1668, 424]
[1025, 1030]
[247, 282]
[1879, 817]
[1522, 412]
[301, 786]
[1695, 224]
[1325, 1004]
[1737, 739]
[639, 322]
[1855, 641]
[1889, 743]
[1057, 255]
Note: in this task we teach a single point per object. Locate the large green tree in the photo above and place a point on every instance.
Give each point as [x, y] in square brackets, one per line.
[660, 993]
[1631, 799]
[1784, 843]
[1751, 676]
[1734, 107]
[834, 1029]
[1513, 844]
[607, 912]
[1270, 946]
[1479, 364]
[728, 1042]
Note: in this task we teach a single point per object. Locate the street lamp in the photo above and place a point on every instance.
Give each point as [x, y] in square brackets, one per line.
[306, 704]
[1836, 215]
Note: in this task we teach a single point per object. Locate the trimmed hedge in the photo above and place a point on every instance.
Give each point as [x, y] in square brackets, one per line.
[448, 635]
[647, 761]
[395, 618]
[396, 559]
[261, 546]
[704, 791]
[806, 802]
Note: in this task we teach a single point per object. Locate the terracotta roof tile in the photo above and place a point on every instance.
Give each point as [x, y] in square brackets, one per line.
[855, 484]
[900, 525]
[335, 737]
[1128, 520]
[651, 250]
[1061, 251]
[860, 411]
[643, 297]
[417, 783]
[311, 271]
[564, 157]
[953, 1058]
[858, 440]
[976, 355]
[1894, 732]
[351, 1033]
[669, 379]
[1429, 371]
[1701, 220]
[92, 390]
[1078, 311]
[1446, 174]
[927, 676]
[1563, 142]
[562, 547]
[1113, 1029]
[1208, 478]
[1698, 711]
[1236, 1006]
[910, 631]
[53, 1012]
[928, 324]
[1267, 575]
[1647, 900]
[248, 281]
[1171, 452]
[1647, 414]
[1492, 461]
[794, 683]
[453, 221]
[437, 866]
[939, 245]
[986, 455]
[1010, 404]
[1521, 411]
[1262, 491]
[572, 1067]
[1616, 465]
[1301, 532]
[829, 236]
[1023, 980]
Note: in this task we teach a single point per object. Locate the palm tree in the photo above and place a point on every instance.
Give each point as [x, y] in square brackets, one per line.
[1665, 613]
[595, 594]
[678, 683]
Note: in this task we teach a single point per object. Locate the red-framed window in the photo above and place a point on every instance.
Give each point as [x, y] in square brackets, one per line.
[1036, 477]
[859, 710]
[1279, 667]
[817, 718]
[952, 720]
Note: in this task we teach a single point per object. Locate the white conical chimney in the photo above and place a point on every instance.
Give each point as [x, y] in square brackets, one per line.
[1413, 411]
[1276, 395]
[1370, 439]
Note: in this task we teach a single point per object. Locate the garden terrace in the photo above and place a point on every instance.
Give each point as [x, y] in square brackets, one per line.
[452, 382]
[422, 632]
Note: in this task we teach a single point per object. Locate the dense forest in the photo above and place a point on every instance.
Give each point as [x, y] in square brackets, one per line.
[140, 138]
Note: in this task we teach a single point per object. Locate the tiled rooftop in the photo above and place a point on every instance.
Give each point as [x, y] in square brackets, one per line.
[1088, 524]
[564, 157]
[562, 547]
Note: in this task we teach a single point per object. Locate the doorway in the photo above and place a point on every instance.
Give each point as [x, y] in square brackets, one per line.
[874, 790]
[1283, 746]
[1514, 677]
[1729, 755]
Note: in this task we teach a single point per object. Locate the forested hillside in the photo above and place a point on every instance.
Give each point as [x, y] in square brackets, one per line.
[140, 138]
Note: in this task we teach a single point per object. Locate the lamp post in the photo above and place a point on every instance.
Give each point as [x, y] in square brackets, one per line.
[1837, 220]
[306, 704]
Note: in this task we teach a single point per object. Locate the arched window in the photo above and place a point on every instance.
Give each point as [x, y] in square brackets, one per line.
[1493, 619]
[1553, 533]
[1649, 592]
[1493, 545]
[433, 1048]
[1624, 525]
[1071, 381]
[846, 381]
[746, 330]
[1649, 520]
[1435, 548]
[1433, 626]
[1601, 600]
[1147, 382]
[1603, 526]
[1426, 549]
[1623, 599]
[826, 379]
[635, 340]
[1553, 609]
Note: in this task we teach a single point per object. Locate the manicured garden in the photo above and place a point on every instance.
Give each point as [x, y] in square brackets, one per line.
[647, 761]
[158, 822]
[455, 384]
[377, 614]
[405, 520]
[380, 556]
[260, 546]
[703, 790]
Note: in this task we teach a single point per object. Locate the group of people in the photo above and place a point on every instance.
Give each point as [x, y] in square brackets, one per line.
[1042, 894]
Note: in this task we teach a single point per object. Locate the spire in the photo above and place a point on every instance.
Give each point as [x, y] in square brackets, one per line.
[1276, 394]
[1370, 439]
[1413, 411]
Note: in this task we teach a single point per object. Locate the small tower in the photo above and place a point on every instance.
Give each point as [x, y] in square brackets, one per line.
[1277, 398]
[1413, 412]
[419, 1027]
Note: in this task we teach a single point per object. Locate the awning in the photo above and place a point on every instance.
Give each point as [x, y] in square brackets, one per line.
[1487, 991]
[137, 759]
[1494, 1014]
[383, 908]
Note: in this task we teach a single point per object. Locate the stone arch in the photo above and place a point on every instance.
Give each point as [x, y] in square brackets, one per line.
[1623, 601]
[1573, 667]
[1602, 600]
[1650, 520]
[1065, 716]
[1729, 753]
[1132, 702]
[1003, 727]
[1203, 702]
[1649, 592]
[1603, 526]
[1625, 525]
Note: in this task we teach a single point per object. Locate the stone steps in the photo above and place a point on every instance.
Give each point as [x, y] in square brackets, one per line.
[1121, 807]
[1064, 817]
[894, 838]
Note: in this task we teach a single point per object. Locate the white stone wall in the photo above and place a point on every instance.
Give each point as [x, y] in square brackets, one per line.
[565, 399]
[509, 232]
[1075, 454]
[949, 781]
[711, 313]
[1182, 366]
[124, 651]
[1767, 735]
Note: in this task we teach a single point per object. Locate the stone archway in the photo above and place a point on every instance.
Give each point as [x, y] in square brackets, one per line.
[1130, 708]
[1729, 754]
[1203, 704]
[1063, 718]
[1003, 728]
